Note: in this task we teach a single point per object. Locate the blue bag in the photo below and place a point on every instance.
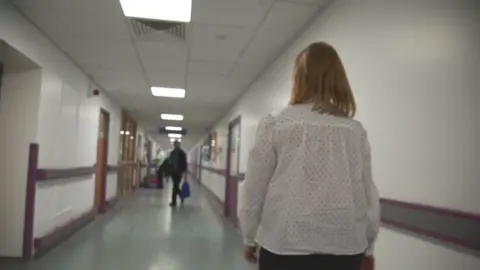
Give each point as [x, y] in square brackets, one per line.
[185, 190]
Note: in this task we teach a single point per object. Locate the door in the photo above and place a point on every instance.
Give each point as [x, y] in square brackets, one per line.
[102, 157]
[233, 158]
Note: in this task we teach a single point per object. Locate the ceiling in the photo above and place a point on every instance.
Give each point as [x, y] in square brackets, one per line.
[228, 43]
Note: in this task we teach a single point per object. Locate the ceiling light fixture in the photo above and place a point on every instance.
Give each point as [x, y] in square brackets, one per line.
[174, 135]
[173, 140]
[168, 92]
[165, 10]
[170, 128]
[171, 117]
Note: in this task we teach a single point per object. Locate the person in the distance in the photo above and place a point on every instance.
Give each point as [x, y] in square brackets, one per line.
[308, 200]
[178, 167]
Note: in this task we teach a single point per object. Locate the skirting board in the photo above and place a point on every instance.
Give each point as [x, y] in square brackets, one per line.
[46, 243]
[111, 203]
[217, 205]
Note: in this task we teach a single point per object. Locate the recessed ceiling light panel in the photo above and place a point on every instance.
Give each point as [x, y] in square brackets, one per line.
[168, 92]
[175, 135]
[170, 128]
[165, 10]
[171, 117]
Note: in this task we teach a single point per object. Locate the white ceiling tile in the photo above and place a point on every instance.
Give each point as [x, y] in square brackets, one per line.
[166, 73]
[265, 47]
[167, 79]
[33, 4]
[131, 83]
[94, 70]
[94, 24]
[210, 67]
[312, 2]
[289, 15]
[48, 21]
[95, 45]
[152, 65]
[218, 43]
[208, 82]
[123, 73]
[103, 6]
[104, 60]
[164, 50]
[247, 13]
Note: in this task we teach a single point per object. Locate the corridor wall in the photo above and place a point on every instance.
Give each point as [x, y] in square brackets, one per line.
[66, 128]
[68, 135]
[212, 176]
[414, 68]
[18, 121]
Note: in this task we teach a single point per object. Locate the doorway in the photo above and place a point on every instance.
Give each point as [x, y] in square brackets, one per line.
[231, 174]
[102, 161]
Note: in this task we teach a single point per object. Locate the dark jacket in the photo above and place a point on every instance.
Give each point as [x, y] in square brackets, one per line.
[178, 161]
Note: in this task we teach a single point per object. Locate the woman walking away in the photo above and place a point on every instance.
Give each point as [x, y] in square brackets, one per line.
[308, 200]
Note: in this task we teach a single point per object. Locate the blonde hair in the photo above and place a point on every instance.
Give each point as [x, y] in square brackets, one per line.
[320, 78]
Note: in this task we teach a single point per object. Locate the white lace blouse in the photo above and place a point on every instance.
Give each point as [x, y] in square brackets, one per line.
[308, 187]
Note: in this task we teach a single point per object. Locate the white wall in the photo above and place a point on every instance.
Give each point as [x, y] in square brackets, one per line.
[212, 180]
[67, 123]
[61, 201]
[396, 251]
[112, 185]
[68, 136]
[18, 110]
[215, 183]
[414, 67]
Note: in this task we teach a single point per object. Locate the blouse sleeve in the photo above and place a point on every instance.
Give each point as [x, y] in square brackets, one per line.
[260, 168]
[373, 199]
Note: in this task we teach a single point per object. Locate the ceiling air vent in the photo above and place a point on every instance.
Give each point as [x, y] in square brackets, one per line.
[142, 27]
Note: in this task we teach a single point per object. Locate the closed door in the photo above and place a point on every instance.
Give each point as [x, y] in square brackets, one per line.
[233, 155]
[102, 155]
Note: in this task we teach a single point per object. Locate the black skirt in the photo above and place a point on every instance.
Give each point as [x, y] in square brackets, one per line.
[271, 261]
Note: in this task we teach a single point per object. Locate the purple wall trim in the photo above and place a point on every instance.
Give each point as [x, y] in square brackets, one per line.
[214, 170]
[30, 201]
[239, 177]
[47, 242]
[431, 234]
[112, 168]
[433, 209]
[410, 224]
[60, 174]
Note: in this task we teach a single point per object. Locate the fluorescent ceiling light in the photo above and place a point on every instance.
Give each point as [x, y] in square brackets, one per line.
[172, 117]
[173, 128]
[174, 135]
[168, 92]
[165, 10]
[173, 139]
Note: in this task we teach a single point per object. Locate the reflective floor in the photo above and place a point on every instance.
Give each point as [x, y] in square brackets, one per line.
[143, 233]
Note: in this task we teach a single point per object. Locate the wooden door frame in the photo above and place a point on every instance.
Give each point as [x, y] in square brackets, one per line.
[129, 168]
[103, 178]
[200, 163]
[231, 181]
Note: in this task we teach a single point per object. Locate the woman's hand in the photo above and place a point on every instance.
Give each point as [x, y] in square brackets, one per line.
[368, 263]
[249, 253]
